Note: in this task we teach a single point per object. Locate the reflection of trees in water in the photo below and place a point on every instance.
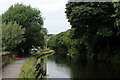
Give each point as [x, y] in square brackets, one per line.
[74, 66]
[84, 69]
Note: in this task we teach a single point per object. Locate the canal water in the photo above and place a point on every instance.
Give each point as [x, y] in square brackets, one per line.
[61, 67]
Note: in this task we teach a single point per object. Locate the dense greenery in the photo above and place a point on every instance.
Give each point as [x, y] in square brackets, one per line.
[117, 15]
[94, 34]
[64, 45]
[12, 35]
[30, 19]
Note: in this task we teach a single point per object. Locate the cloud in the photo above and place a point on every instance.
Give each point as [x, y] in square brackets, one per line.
[43, 5]
[52, 10]
[50, 7]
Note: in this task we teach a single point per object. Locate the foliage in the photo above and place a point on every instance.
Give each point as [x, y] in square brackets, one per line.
[104, 32]
[30, 19]
[117, 15]
[9, 60]
[64, 45]
[94, 25]
[27, 69]
[96, 31]
[12, 35]
[116, 58]
[89, 17]
[33, 66]
[86, 11]
[59, 42]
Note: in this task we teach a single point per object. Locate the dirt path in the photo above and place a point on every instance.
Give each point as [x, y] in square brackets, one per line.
[12, 70]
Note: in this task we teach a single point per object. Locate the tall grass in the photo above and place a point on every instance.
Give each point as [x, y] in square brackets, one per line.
[28, 68]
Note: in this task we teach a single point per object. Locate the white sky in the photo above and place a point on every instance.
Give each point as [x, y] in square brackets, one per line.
[52, 10]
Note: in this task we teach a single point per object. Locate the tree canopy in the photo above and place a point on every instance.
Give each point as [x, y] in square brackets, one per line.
[30, 19]
[89, 17]
[117, 15]
[96, 33]
[12, 35]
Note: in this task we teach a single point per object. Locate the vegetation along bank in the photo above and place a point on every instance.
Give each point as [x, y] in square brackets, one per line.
[95, 32]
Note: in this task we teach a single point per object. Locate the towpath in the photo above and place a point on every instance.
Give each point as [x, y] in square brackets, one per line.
[12, 70]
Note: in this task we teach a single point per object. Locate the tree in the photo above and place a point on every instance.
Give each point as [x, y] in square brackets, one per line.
[12, 35]
[117, 15]
[89, 17]
[30, 19]
[94, 26]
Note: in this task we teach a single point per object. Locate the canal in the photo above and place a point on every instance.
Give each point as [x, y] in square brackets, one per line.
[61, 67]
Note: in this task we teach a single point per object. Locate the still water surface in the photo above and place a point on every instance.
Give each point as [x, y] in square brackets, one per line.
[61, 67]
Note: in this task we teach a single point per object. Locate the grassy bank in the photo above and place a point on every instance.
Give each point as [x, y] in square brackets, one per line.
[7, 58]
[27, 70]
[8, 61]
[35, 69]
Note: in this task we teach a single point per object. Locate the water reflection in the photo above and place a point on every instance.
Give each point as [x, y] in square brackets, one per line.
[57, 71]
[61, 67]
